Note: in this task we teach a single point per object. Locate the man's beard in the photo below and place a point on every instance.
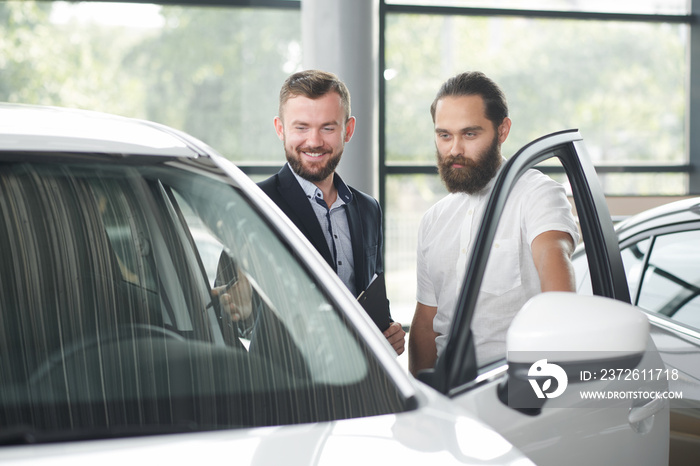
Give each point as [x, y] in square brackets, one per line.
[320, 173]
[474, 175]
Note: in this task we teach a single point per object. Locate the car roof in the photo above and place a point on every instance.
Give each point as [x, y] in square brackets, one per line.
[29, 128]
[686, 210]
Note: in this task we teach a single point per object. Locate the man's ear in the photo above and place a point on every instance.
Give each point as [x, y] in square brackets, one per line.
[504, 130]
[279, 128]
[349, 129]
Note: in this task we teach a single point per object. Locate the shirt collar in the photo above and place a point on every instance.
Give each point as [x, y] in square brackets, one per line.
[312, 191]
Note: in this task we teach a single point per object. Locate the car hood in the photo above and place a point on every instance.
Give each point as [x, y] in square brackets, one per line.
[436, 433]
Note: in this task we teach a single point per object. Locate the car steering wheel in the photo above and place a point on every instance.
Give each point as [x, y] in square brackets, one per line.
[126, 331]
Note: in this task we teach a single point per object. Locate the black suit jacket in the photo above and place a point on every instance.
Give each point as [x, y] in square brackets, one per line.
[364, 218]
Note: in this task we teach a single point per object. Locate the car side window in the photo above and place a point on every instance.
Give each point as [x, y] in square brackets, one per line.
[671, 282]
[633, 260]
[108, 320]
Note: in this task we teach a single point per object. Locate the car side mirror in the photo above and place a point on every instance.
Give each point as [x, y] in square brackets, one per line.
[572, 334]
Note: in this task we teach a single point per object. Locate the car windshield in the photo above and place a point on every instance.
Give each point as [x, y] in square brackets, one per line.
[108, 324]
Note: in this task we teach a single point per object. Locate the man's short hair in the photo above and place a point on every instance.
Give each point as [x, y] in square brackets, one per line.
[475, 83]
[314, 84]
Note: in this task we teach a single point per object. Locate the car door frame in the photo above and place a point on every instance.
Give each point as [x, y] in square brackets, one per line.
[457, 365]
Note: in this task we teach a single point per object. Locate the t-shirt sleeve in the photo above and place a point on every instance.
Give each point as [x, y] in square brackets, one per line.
[548, 209]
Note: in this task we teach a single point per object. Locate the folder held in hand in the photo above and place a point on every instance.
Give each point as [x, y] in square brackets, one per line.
[375, 302]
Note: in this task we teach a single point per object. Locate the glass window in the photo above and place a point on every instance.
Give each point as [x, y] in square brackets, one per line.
[671, 282]
[108, 323]
[622, 84]
[213, 72]
[605, 6]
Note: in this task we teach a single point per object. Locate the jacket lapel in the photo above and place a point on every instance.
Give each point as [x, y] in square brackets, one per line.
[301, 213]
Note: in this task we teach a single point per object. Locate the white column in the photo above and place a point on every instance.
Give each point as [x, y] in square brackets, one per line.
[341, 36]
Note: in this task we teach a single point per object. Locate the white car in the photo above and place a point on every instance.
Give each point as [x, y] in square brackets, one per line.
[114, 350]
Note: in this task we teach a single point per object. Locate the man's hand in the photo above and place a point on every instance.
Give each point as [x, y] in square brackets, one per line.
[396, 336]
[237, 299]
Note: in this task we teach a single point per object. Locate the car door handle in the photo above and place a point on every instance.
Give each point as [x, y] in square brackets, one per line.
[639, 413]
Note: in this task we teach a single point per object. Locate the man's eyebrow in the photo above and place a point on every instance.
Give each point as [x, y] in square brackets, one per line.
[468, 129]
[305, 123]
[471, 129]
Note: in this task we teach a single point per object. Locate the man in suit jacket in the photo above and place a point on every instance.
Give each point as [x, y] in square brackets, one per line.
[343, 224]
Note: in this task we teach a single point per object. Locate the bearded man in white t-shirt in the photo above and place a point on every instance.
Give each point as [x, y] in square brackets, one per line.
[534, 241]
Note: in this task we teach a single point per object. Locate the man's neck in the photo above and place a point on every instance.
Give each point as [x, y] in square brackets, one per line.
[327, 187]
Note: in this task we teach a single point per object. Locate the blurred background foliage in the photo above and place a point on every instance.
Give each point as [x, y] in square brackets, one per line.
[212, 72]
[621, 83]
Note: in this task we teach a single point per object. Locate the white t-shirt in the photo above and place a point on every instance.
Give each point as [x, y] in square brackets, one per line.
[535, 205]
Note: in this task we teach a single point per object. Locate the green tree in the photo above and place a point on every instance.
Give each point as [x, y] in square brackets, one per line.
[71, 64]
[215, 73]
[212, 72]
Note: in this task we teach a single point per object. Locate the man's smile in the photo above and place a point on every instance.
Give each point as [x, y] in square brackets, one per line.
[313, 153]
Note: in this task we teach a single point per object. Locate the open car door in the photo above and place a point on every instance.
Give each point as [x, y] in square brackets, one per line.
[582, 382]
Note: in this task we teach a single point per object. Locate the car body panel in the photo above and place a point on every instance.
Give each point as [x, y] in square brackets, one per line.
[392, 438]
[571, 429]
[28, 128]
[673, 213]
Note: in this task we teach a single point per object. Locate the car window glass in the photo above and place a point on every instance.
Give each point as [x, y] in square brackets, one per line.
[108, 323]
[284, 287]
[671, 282]
[633, 260]
[125, 234]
